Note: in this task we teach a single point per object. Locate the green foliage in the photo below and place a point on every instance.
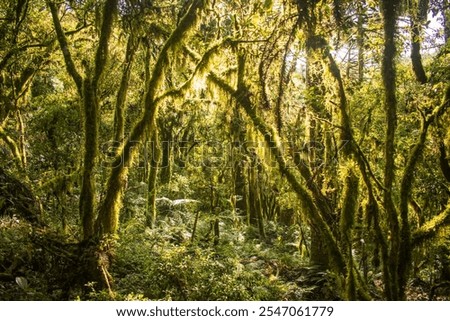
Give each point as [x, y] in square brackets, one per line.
[22, 264]
[158, 267]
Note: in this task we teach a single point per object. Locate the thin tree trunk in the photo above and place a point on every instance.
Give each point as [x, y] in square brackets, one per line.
[284, 79]
[166, 153]
[119, 114]
[87, 194]
[22, 139]
[417, 18]
[239, 178]
[446, 16]
[360, 39]
[154, 164]
[389, 10]
[252, 218]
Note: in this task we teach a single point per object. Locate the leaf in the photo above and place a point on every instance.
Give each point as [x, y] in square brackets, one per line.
[22, 282]
[268, 4]
[183, 201]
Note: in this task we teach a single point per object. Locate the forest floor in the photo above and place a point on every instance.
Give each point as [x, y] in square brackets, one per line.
[150, 264]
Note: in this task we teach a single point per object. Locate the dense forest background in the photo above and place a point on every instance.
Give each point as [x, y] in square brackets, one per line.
[224, 150]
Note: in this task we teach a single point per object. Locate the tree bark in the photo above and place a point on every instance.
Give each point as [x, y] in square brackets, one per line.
[360, 39]
[417, 18]
[153, 175]
[389, 11]
[88, 194]
[119, 114]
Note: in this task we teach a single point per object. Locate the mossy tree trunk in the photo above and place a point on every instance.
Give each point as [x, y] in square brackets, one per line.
[119, 111]
[88, 90]
[389, 12]
[95, 255]
[88, 190]
[154, 161]
[418, 16]
[315, 139]
[166, 151]
[238, 162]
[312, 139]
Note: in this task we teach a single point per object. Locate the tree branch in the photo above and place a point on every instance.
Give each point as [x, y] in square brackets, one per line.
[109, 12]
[431, 228]
[70, 66]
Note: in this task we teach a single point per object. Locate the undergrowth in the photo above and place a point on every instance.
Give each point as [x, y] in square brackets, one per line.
[166, 263]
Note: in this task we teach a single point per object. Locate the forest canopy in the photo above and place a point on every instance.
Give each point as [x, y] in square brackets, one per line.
[224, 150]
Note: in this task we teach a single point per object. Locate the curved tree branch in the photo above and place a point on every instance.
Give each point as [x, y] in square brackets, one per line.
[61, 36]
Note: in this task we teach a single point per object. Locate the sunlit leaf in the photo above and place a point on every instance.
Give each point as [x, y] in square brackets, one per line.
[22, 282]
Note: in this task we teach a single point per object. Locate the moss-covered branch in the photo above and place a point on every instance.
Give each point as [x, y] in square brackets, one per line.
[201, 67]
[71, 69]
[12, 146]
[101, 56]
[429, 230]
[408, 174]
[353, 149]
[418, 17]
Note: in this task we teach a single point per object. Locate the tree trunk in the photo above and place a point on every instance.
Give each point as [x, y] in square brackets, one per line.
[360, 39]
[87, 194]
[389, 10]
[313, 81]
[417, 18]
[237, 157]
[154, 163]
[119, 114]
[166, 153]
[446, 16]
